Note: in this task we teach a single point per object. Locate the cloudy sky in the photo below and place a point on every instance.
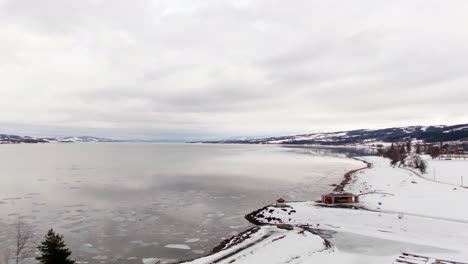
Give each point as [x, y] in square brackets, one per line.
[206, 69]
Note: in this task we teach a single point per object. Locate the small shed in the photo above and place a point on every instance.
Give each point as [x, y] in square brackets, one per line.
[333, 198]
[280, 200]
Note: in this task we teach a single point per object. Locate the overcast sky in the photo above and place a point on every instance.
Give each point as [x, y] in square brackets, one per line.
[213, 68]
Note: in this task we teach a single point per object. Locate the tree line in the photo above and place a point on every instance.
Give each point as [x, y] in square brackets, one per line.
[401, 154]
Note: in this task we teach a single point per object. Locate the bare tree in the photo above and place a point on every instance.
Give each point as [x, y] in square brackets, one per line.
[423, 166]
[5, 255]
[6, 243]
[23, 236]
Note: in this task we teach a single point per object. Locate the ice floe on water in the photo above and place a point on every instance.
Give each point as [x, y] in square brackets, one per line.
[100, 257]
[74, 205]
[233, 217]
[217, 214]
[239, 226]
[191, 240]
[144, 244]
[88, 248]
[150, 260]
[12, 198]
[95, 207]
[178, 246]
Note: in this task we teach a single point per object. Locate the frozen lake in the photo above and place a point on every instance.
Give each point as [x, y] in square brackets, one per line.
[120, 202]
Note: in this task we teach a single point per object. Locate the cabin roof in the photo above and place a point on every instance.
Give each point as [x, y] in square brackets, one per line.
[339, 194]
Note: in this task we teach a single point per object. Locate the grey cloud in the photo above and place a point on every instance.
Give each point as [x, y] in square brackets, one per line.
[177, 68]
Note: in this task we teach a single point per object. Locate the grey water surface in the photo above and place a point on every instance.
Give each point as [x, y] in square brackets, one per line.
[120, 202]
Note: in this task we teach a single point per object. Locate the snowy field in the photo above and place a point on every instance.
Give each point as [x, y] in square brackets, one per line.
[402, 190]
[276, 246]
[412, 215]
[454, 171]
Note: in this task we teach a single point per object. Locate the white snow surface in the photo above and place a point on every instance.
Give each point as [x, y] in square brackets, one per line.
[409, 212]
[452, 171]
[456, 129]
[402, 190]
[274, 245]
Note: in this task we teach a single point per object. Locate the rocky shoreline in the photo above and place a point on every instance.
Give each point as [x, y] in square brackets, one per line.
[395, 218]
[252, 218]
[347, 176]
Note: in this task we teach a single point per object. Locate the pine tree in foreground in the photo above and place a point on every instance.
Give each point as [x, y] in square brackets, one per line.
[53, 250]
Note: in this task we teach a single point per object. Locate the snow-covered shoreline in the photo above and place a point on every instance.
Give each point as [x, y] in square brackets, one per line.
[406, 214]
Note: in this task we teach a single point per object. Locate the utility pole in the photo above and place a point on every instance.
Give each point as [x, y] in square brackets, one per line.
[434, 173]
[461, 178]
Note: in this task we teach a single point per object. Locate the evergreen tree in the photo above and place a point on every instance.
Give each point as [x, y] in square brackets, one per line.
[434, 152]
[53, 250]
[408, 146]
[418, 149]
[402, 155]
[394, 154]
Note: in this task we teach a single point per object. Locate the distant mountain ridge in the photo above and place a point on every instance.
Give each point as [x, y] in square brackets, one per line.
[441, 133]
[6, 139]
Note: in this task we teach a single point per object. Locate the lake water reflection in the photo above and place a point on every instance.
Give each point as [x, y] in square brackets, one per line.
[117, 201]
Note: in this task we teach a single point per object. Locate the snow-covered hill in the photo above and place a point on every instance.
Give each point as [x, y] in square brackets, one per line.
[5, 139]
[439, 133]
[83, 139]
